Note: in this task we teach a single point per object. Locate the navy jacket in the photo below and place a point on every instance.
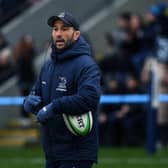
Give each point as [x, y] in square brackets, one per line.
[71, 81]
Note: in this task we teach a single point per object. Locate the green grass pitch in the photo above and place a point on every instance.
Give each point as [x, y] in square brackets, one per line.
[32, 157]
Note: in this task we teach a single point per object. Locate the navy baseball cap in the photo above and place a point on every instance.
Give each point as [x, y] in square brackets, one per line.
[66, 17]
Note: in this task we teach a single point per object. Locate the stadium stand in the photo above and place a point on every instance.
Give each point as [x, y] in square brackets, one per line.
[10, 9]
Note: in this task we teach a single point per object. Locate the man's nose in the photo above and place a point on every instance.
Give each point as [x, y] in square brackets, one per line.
[58, 33]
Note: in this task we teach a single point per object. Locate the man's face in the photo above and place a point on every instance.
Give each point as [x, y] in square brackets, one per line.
[63, 35]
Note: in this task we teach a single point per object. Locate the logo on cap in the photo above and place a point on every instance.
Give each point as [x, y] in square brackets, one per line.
[61, 15]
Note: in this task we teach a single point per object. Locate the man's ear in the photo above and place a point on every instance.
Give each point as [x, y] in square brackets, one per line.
[76, 35]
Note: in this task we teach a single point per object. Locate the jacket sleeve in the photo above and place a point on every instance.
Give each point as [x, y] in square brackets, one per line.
[87, 96]
[36, 89]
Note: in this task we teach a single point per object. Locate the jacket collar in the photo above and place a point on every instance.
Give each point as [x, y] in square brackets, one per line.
[79, 47]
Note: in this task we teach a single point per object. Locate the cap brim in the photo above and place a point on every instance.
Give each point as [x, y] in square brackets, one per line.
[53, 19]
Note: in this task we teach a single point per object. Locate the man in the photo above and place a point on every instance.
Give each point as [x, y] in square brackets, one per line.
[69, 83]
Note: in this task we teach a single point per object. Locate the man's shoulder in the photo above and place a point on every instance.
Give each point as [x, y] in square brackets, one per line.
[85, 60]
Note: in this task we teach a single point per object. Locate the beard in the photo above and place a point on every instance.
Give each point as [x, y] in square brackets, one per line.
[64, 44]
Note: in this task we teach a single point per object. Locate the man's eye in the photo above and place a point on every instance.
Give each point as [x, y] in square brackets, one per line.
[65, 28]
[55, 29]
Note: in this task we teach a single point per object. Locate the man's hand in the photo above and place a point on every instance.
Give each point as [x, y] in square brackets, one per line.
[45, 113]
[32, 103]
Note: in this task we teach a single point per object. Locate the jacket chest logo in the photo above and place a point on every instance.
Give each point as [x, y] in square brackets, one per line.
[62, 84]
